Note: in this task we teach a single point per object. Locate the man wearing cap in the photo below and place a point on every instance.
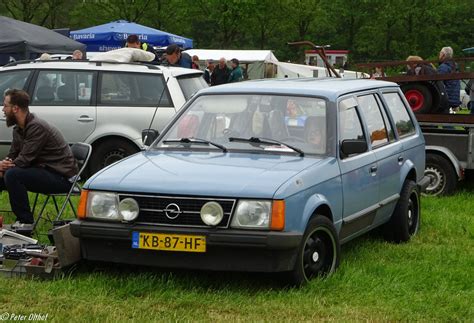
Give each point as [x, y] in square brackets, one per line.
[175, 57]
[236, 75]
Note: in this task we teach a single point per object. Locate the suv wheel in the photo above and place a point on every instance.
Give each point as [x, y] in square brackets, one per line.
[319, 252]
[110, 151]
[405, 220]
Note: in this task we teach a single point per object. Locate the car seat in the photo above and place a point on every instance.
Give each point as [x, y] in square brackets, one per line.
[45, 94]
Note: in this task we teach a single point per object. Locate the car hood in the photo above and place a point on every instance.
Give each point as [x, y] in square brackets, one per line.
[203, 173]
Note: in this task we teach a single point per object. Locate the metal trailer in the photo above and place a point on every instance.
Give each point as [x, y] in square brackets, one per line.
[449, 149]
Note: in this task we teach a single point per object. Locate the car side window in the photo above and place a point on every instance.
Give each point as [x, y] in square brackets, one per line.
[63, 88]
[350, 126]
[403, 123]
[133, 89]
[13, 80]
[373, 117]
[388, 125]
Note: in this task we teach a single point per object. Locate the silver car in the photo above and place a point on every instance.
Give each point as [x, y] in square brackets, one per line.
[104, 104]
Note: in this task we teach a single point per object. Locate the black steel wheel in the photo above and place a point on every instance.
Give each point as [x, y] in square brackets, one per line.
[319, 251]
[405, 220]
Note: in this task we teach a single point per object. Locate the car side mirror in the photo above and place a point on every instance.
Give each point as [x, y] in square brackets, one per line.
[353, 146]
[148, 136]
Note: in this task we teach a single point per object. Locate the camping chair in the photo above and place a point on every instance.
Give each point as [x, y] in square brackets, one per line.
[82, 153]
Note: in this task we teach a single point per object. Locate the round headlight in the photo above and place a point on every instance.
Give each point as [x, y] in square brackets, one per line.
[212, 213]
[129, 209]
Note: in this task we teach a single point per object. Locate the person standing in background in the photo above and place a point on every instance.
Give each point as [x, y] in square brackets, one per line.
[221, 73]
[236, 74]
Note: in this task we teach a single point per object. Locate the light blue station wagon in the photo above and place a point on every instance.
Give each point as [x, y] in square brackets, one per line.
[242, 180]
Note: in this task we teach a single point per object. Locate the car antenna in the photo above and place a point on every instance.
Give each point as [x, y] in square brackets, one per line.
[158, 105]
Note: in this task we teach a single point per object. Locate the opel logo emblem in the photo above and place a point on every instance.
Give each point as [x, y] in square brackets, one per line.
[172, 211]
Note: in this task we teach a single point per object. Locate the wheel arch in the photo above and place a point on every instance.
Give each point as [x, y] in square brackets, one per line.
[317, 205]
[448, 155]
[100, 140]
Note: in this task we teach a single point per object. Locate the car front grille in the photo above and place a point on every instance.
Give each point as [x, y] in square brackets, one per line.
[177, 211]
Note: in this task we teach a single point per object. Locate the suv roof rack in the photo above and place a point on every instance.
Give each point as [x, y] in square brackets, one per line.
[98, 63]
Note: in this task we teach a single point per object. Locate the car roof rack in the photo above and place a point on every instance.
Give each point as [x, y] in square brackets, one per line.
[98, 63]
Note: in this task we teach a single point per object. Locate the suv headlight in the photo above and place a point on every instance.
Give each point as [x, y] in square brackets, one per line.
[252, 214]
[102, 205]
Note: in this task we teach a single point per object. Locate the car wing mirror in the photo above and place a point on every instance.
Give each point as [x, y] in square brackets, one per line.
[148, 136]
[353, 146]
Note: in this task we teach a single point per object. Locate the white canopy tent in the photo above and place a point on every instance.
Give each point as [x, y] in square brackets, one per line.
[263, 64]
[257, 63]
[297, 70]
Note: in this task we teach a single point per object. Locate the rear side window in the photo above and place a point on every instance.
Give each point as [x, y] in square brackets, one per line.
[403, 123]
[373, 117]
[13, 80]
[133, 89]
[63, 87]
[191, 84]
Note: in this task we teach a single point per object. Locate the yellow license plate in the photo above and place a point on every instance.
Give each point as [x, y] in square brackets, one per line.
[170, 242]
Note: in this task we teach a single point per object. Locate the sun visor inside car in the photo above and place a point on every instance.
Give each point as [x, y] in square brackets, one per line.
[232, 104]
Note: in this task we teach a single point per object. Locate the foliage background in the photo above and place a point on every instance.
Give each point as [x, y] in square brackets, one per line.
[372, 30]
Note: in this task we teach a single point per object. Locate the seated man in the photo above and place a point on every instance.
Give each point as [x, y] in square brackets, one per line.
[40, 160]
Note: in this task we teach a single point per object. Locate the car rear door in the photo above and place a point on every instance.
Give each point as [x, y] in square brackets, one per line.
[66, 99]
[129, 101]
[387, 150]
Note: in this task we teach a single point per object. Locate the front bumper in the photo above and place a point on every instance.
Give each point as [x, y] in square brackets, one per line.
[227, 249]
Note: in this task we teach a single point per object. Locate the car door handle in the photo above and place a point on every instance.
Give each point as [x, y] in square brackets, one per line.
[400, 160]
[373, 170]
[3, 119]
[85, 119]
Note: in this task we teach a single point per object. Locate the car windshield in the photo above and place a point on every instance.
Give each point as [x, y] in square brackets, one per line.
[272, 123]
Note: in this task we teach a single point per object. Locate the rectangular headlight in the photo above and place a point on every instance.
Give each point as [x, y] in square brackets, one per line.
[103, 205]
[252, 214]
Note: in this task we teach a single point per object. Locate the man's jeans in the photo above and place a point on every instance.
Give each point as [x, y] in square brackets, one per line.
[18, 181]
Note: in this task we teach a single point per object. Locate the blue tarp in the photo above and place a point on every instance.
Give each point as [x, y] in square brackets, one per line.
[113, 35]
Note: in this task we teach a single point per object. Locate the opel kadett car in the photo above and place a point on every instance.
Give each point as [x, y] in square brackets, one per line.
[232, 184]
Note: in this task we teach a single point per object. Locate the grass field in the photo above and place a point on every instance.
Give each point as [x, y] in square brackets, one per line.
[429, 279]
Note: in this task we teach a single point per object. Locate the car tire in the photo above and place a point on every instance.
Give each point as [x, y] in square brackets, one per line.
[108, 152]
[405, 220]
[319, 252]
[443, 178]
[419, 97]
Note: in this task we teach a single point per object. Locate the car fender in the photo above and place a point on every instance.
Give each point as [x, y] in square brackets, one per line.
[312, 203]
[449, 155]
[108, 131]
[404, 171]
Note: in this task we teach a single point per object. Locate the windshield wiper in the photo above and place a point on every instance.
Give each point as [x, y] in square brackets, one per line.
[193, 140]
[266, 141]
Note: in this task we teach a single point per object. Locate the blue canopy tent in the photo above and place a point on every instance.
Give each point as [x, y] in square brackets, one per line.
[113, 35]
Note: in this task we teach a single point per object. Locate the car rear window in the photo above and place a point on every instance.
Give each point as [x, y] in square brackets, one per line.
[190, 84]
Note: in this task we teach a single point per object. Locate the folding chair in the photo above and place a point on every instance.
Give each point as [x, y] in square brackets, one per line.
[82, 153]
